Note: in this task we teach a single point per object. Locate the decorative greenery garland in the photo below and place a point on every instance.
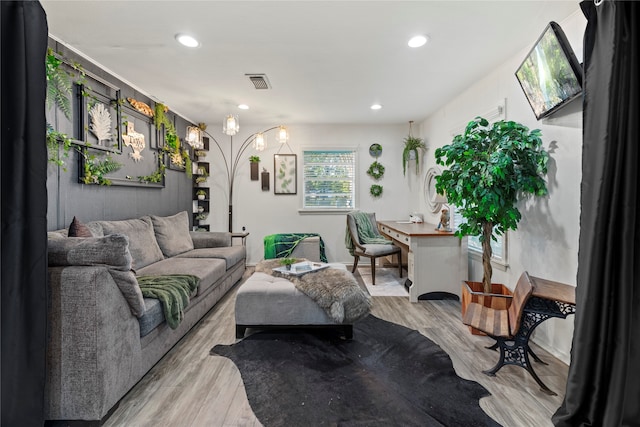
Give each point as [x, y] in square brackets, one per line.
[375, 190]
[55, 140]
[96, 169]
[177, 156]
[59, 89]
[376, 170]
[158, 174]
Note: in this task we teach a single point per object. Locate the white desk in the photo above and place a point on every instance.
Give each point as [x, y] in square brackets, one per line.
[436, 260]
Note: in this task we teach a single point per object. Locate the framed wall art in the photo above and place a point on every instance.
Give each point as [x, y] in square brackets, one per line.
[285, 177]
[99, 114]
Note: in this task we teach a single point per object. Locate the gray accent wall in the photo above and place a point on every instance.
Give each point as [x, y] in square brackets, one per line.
[68, 198]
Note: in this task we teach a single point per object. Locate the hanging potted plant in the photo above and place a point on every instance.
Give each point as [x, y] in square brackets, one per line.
[253, 162]
[490, 168]
[411, 151]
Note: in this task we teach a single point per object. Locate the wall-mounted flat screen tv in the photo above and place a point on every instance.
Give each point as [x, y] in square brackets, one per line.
[550, 75]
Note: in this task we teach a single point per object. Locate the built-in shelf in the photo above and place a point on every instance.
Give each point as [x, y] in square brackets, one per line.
[201, 206]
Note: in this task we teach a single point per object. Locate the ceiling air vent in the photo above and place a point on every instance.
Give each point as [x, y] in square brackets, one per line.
[260, 81]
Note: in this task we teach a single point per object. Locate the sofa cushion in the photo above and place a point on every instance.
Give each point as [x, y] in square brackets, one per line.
[142, 240]
[96, 228]
[210, 239]
[57, 234]
[231, 254]
[153, 316]
[130, 289]
[208, 270]
[93, 226]
[111, 252]
[172, 233]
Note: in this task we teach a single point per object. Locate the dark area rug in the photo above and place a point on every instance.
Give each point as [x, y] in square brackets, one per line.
[388, 375]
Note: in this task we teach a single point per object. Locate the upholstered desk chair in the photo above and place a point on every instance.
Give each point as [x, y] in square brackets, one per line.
[365, 240]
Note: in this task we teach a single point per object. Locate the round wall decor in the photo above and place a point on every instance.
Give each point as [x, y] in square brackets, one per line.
[375, 190]
[375, 150]
[431, 196]
[376, 170]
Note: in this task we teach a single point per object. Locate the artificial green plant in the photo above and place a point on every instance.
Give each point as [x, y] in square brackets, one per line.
[158, 174]
[490, 168]
[59, 88]
[95, 169]
[173, 147]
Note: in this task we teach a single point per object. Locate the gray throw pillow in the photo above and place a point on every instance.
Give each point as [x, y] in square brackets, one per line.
[110, 251]
[142, 241]
[128, 285]
[172, 233]
[78, 229]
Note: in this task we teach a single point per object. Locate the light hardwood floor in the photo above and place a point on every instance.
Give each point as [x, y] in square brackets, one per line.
[190, 388]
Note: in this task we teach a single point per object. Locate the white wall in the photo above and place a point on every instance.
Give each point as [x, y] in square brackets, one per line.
[546, 242]
[263, 213]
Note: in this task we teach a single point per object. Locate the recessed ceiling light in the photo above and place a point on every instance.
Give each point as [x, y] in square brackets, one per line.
[243, 106]
[417, 41]
[376, 106]
[187, 40]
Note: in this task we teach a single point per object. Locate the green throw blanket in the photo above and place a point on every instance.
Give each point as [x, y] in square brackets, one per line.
[367, 232]
[281, 245]
[173, 292]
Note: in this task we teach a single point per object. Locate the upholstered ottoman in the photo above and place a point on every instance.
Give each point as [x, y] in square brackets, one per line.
[266, 301]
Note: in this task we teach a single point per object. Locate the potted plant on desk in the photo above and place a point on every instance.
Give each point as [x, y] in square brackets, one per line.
[490, 167]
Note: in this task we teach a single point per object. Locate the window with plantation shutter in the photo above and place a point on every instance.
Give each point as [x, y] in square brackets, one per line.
[329, 179]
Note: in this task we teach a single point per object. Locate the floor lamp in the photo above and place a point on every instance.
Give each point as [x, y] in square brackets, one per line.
[230, 128]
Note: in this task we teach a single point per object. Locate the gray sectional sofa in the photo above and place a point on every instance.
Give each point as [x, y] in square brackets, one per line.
[103, 336]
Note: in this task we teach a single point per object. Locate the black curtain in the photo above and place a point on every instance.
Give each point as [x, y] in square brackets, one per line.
[23, 214]
[603, 388]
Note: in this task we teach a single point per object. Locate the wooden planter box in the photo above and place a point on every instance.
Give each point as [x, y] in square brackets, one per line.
[254, 171]
[499, 298]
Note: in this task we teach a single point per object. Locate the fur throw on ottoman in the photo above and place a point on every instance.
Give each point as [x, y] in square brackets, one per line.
[336, 291]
